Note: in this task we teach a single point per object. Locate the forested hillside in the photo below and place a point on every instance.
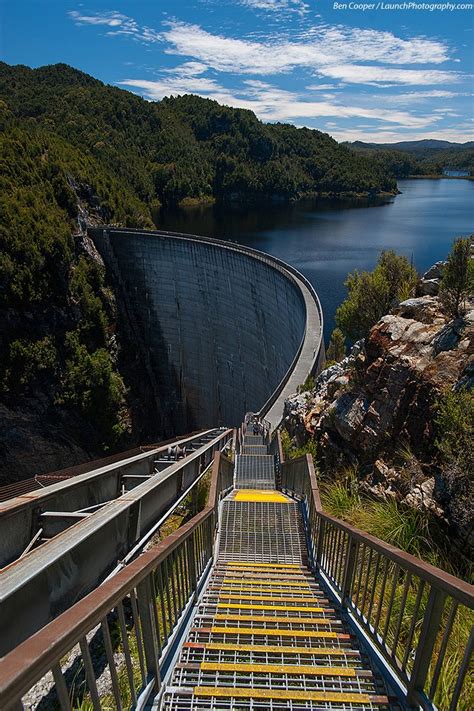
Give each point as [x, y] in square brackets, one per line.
[76, 152]
[185, 147]
[427, 157]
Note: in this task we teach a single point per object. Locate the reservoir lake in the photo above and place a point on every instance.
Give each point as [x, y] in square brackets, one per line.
[325, 239]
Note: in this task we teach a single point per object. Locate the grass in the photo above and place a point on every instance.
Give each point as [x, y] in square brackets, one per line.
[292, 452]
[418, 533]
[403, 527]
[341, 498]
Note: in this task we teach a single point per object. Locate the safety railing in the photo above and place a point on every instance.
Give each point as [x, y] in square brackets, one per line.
[276, 449]
[91, 548]
[111, 649]
[416, 616]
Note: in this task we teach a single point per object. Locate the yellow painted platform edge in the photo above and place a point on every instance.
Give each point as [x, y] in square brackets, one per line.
[269, 598]
[259, 581]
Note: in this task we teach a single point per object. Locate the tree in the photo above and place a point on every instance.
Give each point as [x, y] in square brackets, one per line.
[458, 278]
[373, 294]
[337, 346]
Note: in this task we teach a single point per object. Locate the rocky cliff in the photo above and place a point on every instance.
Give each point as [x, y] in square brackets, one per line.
[376, 410]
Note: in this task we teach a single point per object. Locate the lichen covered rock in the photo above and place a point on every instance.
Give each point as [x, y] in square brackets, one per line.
[383, 397]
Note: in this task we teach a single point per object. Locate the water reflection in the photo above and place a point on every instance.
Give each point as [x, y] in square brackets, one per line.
[326, 239]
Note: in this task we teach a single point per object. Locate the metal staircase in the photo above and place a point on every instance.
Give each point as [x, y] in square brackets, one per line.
[264, 634]
[287, 607]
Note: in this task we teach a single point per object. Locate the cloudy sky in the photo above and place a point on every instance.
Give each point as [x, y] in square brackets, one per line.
[376, 74]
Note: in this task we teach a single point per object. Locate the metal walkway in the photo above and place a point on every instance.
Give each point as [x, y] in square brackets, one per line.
[264, 634]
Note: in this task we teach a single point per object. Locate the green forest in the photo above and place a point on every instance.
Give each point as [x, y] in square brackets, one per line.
[427, 158]
[76, 152]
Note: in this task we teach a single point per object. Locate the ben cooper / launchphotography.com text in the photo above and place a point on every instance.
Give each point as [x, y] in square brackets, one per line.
[394, 6]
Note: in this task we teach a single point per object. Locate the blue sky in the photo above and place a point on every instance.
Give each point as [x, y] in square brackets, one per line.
[377, 73]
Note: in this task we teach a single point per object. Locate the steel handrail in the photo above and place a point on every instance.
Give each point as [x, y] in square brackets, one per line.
[122, 523]
[192, 544]
[365, 573]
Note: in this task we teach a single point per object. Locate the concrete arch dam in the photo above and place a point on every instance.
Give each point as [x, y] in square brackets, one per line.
[221, 329]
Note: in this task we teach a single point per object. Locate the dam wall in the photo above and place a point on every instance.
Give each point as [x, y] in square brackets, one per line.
[220, 328]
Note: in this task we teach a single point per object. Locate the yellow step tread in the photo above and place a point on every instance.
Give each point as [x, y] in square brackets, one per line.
[306, 593]
[250, 573]
[306, 669]
[294, 695]
[261, 565]
[267, 583]
[262, 598]
[316, 651]
[270, 618]
[262, 631]
[254, 496]
[283, 608]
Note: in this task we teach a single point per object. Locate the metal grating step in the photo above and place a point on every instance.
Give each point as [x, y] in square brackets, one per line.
[255, 471]
[236, 699]
[253, 677]
[261, 531]
[253, 439]
[254, 449]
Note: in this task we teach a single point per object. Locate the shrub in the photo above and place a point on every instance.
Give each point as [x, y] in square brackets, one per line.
[341, 497]
[292, 452]
[91, 385]
[458, 278]
[373, 294]
[455, 427]
[26, 360]
[401, 526]
[307, 386]
[337, 346]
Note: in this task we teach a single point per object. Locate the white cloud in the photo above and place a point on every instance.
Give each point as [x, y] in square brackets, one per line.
[363, 74]
[457, 134]
[321, 87]
[271, 103]
[313, 49]
[277, 6]
[120, 25]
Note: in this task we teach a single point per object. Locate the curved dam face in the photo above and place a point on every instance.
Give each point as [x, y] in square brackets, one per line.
[220, 328]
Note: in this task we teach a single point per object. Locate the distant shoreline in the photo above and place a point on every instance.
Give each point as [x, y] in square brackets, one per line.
[438, 177]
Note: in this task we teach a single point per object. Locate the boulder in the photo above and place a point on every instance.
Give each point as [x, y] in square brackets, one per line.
[428, 287]
[435, 271]
[424, 309]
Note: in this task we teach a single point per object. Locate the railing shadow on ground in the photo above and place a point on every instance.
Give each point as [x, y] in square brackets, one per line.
[417, 617]
[138, 613]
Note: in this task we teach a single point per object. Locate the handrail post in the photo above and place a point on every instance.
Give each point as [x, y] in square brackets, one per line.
[146, 603]
[351, 557]
[192, 564]
[319, 545]
[426, 643]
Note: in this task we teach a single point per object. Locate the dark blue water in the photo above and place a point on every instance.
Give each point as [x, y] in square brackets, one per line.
[325, 241]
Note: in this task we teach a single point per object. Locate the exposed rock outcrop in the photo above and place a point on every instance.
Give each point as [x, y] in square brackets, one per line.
[376, 408]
